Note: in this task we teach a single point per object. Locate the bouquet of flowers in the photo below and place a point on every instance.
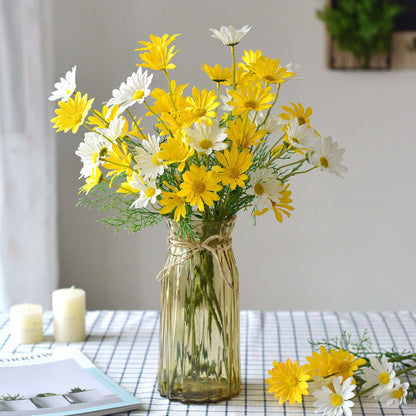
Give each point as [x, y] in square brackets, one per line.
[212, 153]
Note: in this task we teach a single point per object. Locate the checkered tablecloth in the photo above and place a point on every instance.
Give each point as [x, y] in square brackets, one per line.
[124, 344]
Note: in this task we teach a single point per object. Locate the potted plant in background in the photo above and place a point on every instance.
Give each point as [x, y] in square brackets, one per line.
[78, 395]
[362, 27]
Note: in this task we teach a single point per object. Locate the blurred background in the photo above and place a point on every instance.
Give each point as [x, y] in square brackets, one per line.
[350, 243]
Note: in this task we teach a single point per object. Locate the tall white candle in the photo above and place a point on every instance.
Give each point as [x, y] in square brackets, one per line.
[26, 324]
[68, 307]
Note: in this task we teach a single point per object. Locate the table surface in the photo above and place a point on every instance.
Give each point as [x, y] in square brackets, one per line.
[124, 344]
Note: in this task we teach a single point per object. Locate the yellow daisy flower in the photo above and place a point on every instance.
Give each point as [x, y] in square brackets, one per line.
[158, 56]
[202, 103]
[288, 382]
[119, 160]
[199, 187]
[344, 364]
[217, 74]
[249, 58]
[270, 71]
[243, 133]
[234, 165]
[252, 97]
[71, 115]
[319, 363]
[92, 181]
[283, 206]
[102, 120]
[241, 78]
[171, 201]
[174, 150]
[296, 111]
[168, 103]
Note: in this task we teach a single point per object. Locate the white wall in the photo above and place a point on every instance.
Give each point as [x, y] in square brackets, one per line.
[350, 243]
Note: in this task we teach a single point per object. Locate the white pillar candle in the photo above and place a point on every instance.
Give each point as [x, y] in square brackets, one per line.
[68, 307]
[26, 324]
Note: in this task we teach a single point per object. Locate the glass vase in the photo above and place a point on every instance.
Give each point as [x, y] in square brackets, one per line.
[199, 345]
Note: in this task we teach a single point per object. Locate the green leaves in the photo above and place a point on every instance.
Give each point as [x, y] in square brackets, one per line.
[362, 27]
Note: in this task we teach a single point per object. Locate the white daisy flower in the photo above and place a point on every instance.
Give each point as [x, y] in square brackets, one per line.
[149, 165]
[335, 402]
[396, 396]
[148, 192]
[272, 123]
[265, 187]
[300, 136]
[327, 156]
[114, 129]
[135, 90]
[205, 138]
[230, 36]
[90, 150]
[296, 69]
[226, 99]
[381, 375]
[65, 87]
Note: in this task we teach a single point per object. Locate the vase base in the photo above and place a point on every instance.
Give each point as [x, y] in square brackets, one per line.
[198, 398]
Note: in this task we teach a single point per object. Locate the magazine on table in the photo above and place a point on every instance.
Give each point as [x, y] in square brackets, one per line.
[58, 382]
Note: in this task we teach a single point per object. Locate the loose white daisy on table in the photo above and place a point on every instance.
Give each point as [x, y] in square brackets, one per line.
[327, 156]
[90, 150]
[301, 136]
[380, 376]
[205, 138]
[65, 87]
[149, 165]
[229, 35]
[135, 90]
[265, 187]
[148, 191]
[396, 396]
[114, 129]
[336, 402]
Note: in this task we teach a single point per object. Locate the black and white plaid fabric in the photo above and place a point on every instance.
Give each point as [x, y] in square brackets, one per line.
[124, 344]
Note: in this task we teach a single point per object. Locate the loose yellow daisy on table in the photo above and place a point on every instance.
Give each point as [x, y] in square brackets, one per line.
[288, 381]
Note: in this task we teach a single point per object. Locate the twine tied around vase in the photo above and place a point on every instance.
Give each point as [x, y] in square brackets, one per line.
[195, 248]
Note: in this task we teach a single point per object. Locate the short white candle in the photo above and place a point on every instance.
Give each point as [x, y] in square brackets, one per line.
[26, 324]
[68, 307]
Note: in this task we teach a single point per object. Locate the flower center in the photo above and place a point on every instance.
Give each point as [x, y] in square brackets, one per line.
[155, 160]
[150, 192]
[205, 144]
[77, 118]
[233, 172]
[200, 112]
[398, 394]
[324, 162]
[104, 151]
[344, 367]
[384, 378]
[336, 400]
[198, 187]
[269, 78]
[138, 95]
[68, 91]
[292, 382]
[251, 104]
[259, 189]
[301, 121]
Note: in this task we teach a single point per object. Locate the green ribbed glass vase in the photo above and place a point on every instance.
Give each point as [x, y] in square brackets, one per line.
[199, 345]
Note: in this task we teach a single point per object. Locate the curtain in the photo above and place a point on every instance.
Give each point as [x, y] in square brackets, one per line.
[28, 230]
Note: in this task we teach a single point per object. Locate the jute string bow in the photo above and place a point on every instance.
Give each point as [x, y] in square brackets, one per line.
[223, 243]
